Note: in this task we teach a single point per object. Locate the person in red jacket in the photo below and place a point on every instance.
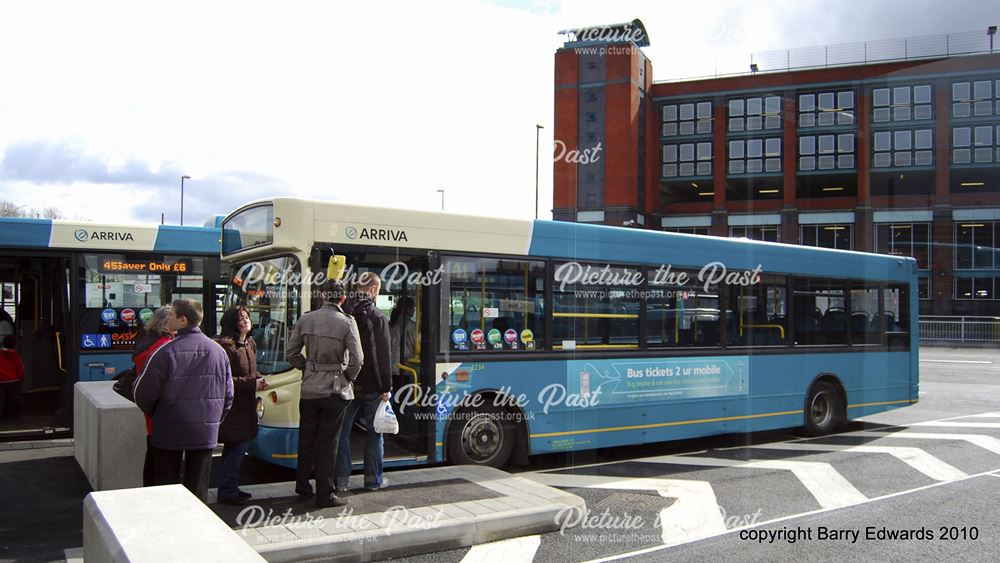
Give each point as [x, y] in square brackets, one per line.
[156, 334]
[11, 375]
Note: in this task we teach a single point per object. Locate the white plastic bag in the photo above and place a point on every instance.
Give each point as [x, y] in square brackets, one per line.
[385, 419]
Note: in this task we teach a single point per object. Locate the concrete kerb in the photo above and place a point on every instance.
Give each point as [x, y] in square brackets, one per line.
[523, 508]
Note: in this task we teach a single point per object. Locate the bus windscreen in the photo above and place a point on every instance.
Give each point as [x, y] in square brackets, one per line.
[249, 228]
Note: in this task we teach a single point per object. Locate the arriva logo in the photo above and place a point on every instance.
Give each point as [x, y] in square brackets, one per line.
[371, 233]
[83, 236]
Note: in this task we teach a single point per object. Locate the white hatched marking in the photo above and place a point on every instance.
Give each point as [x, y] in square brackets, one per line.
[514, 550]
[986, 442]
[952, 424]
[694, 515]
[823, 481]
[956, 361]
[914, 457]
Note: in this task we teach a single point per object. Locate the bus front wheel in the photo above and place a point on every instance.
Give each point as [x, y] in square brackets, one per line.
[481, 436]
[824, 410]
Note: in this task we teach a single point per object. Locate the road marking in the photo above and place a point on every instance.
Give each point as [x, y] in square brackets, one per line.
[514, 550]
[655, 549]
[694, 515]
[986, 442]
[829, 487]
[982, 415]
[957, 361]
[914, 457]
[959, 424]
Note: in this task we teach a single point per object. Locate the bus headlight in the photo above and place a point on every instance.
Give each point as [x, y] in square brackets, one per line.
[279, 396]
[260, 408]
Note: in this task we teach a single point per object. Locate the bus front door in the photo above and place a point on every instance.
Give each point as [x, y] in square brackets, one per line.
[35, 299]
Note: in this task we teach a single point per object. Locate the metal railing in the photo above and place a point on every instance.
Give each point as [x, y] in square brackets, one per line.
[861, 53]
[960, 329]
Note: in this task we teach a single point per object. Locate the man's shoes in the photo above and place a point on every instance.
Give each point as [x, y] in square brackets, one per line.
[340, 490]
[303, 496]
[372, 488]
[234, 500]
[329, 502]
[243, 494]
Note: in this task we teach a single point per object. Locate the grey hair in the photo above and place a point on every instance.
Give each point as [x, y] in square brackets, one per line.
[157, 324]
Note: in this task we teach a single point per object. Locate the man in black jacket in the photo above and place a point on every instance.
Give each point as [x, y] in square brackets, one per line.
[372, 386]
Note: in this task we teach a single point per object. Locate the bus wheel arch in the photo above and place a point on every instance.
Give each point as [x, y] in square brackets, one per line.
[825, 408]
[489, 435]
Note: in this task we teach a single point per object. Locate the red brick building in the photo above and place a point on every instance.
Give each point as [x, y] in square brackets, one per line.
[900, 156]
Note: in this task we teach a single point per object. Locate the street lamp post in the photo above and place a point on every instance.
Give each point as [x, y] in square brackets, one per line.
[538, 129]
[442, 199]
[182, 197]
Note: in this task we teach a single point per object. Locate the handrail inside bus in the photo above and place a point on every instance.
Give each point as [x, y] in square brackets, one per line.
[416, 377]
[598, 315]
[59, 354]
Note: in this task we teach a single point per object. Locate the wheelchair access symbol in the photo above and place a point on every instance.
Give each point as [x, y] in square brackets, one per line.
[92, 341]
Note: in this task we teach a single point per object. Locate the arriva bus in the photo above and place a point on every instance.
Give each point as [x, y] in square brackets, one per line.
[79, 292]
[538, 336]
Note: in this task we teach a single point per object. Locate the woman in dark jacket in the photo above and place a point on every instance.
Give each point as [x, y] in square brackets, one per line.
[240, 426]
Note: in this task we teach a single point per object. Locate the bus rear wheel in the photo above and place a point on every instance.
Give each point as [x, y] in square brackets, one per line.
[481, 436]
[824, 410]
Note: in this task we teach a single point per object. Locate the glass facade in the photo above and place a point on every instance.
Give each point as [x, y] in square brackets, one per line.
[903, 147]
[754, 114]
[824, 109]
[755, 156]
[840, 237]
[826, 152]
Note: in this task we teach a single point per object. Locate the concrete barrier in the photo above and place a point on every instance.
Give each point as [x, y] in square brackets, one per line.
[109, 436]
[165, 523]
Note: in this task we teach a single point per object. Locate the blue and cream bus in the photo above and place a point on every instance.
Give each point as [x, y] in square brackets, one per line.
[538, 336]
[79, 292]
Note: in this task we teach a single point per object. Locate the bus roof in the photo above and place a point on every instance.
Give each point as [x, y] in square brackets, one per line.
[18, 232]
[341, 223]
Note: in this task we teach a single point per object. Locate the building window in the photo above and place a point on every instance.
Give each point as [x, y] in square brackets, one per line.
[755, 156]
[975, 144]
[757, 232]
[826, 152]
[755, 114]
[840, 237]
[687, 119]
[901, 103]
[688, 230]
[977, 98]
[974, 245]
[687, 159]
[903, 147]
[906, 239]
[976, 287]
[823, 109]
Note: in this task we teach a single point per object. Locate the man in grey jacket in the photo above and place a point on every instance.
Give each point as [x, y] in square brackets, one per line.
[331, 362]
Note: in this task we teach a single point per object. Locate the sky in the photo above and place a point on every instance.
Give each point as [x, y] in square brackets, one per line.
[105, 105]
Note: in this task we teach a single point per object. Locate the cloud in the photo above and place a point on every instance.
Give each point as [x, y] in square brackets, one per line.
[67, 162]
[101, 187]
